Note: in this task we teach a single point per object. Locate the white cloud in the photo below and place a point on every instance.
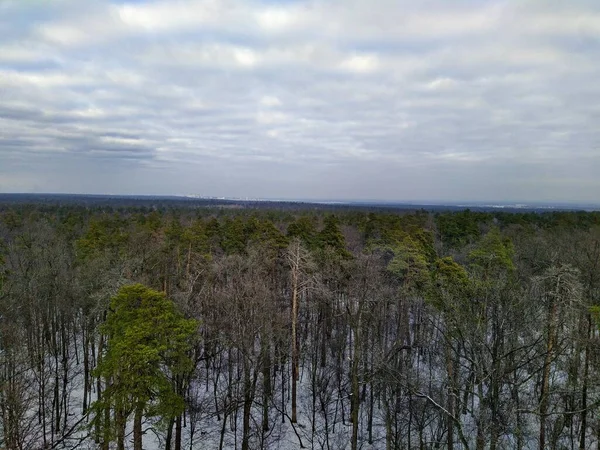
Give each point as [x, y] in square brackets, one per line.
[270, 101]
[360, 63]
[280, 19]
[51, 79]
[441, 84]
[245, 57]
[20, 53]
[271, 117]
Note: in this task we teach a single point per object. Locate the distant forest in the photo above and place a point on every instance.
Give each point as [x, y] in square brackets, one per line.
[163, 324]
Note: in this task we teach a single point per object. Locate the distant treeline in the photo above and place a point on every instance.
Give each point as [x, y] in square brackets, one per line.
[178, 202]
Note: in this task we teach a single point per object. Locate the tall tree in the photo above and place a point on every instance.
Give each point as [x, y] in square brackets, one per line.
[146, 338]
[300, 265]
[559, 288]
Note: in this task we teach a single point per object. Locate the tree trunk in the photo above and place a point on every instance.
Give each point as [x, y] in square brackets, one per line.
[120, 425]
[266, 387]
[451, 398]
[248, 397]
[355, 405]
[480, 439]
[586, 368]
[295, 364]
[178, 432]
[546, 373]
[137, 428]
[169, 437]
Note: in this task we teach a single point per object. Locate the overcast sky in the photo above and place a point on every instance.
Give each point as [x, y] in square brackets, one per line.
[454, 100]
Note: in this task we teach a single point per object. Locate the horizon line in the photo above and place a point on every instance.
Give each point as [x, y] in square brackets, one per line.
[415, 202]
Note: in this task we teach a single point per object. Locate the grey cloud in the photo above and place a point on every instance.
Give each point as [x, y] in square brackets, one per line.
[313, 99]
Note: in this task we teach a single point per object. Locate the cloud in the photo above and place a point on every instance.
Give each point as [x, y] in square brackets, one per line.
[463, 100]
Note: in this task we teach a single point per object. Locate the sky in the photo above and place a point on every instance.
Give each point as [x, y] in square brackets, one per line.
[399, 100]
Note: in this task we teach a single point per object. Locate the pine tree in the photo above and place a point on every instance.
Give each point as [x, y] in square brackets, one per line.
[147, 343]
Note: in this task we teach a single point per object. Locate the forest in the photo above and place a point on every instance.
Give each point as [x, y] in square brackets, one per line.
[179, 327]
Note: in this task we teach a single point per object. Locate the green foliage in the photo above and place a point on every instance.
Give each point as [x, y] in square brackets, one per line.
[196, 237]
[331, 237]
[595, 312]
[213, 233]
[426, 243]
[213, 228]
[448, 278]
[448, 272]
[148, 342]
[12, 220]
[493, 255]
[153, 221]
[174, 232]
[408, 247]
[3, 269]
[449, 284]
[305, 229]
[105, 233]
[233, 236]
[383, 229]
[408, 262]
[265, 232]
[458, 229]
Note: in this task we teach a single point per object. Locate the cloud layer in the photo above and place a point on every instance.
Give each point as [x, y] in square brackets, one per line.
[353, 99]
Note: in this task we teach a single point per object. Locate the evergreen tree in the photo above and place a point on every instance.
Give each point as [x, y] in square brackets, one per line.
[147, 342]
[331, 237]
